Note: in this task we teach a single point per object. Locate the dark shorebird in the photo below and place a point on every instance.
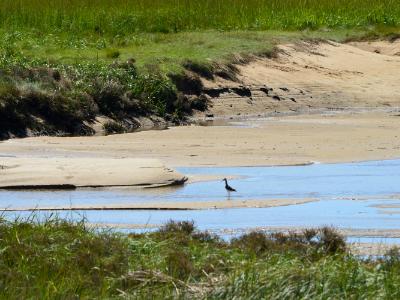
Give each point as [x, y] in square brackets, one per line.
[228, 187]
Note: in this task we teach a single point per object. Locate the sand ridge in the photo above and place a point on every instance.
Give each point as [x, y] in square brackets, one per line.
[62, 173]
[192, 205]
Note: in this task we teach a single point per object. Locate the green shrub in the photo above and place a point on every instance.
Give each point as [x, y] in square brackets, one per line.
[321, 241]
[185, 227]
[156, 92]
[112, 127]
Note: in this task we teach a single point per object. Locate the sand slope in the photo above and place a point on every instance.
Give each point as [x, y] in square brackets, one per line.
[88, 172]
[380, 47]
[308, 76]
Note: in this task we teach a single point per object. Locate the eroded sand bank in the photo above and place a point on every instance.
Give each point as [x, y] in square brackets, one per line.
[313, 76]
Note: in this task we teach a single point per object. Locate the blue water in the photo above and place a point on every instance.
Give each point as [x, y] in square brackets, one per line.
[330, 183]
[318, 180]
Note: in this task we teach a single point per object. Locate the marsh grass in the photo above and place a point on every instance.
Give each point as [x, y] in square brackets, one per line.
[122, 17]
[55, 258]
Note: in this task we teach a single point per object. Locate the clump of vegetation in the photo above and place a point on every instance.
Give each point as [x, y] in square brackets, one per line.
[27, 105]
[112, 127]
[54, 258]
[322, 241]
[187, 83]
[63, 99]
[203, 69]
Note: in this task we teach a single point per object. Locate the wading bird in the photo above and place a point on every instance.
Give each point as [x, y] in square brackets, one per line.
[228, 187]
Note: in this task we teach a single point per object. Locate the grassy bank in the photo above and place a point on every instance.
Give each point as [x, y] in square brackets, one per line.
[60, 259]
[64, 63]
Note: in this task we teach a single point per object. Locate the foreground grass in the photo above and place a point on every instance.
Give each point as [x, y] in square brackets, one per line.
[60, 259]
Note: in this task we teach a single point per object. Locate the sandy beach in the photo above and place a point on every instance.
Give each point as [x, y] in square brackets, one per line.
[291, 140]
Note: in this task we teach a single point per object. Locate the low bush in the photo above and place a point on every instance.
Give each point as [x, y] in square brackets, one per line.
[112, 127]
[323, 240]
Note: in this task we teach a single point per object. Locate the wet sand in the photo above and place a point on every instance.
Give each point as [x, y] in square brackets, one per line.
[290, 140]
[193, 205]
[367, 249]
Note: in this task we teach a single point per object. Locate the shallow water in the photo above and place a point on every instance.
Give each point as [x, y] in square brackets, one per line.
[334, 185]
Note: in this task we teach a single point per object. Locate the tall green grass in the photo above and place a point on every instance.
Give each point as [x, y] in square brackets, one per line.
[58, 259]
[130, 16]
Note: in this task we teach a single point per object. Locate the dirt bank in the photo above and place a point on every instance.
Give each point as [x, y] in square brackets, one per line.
[309, 76]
